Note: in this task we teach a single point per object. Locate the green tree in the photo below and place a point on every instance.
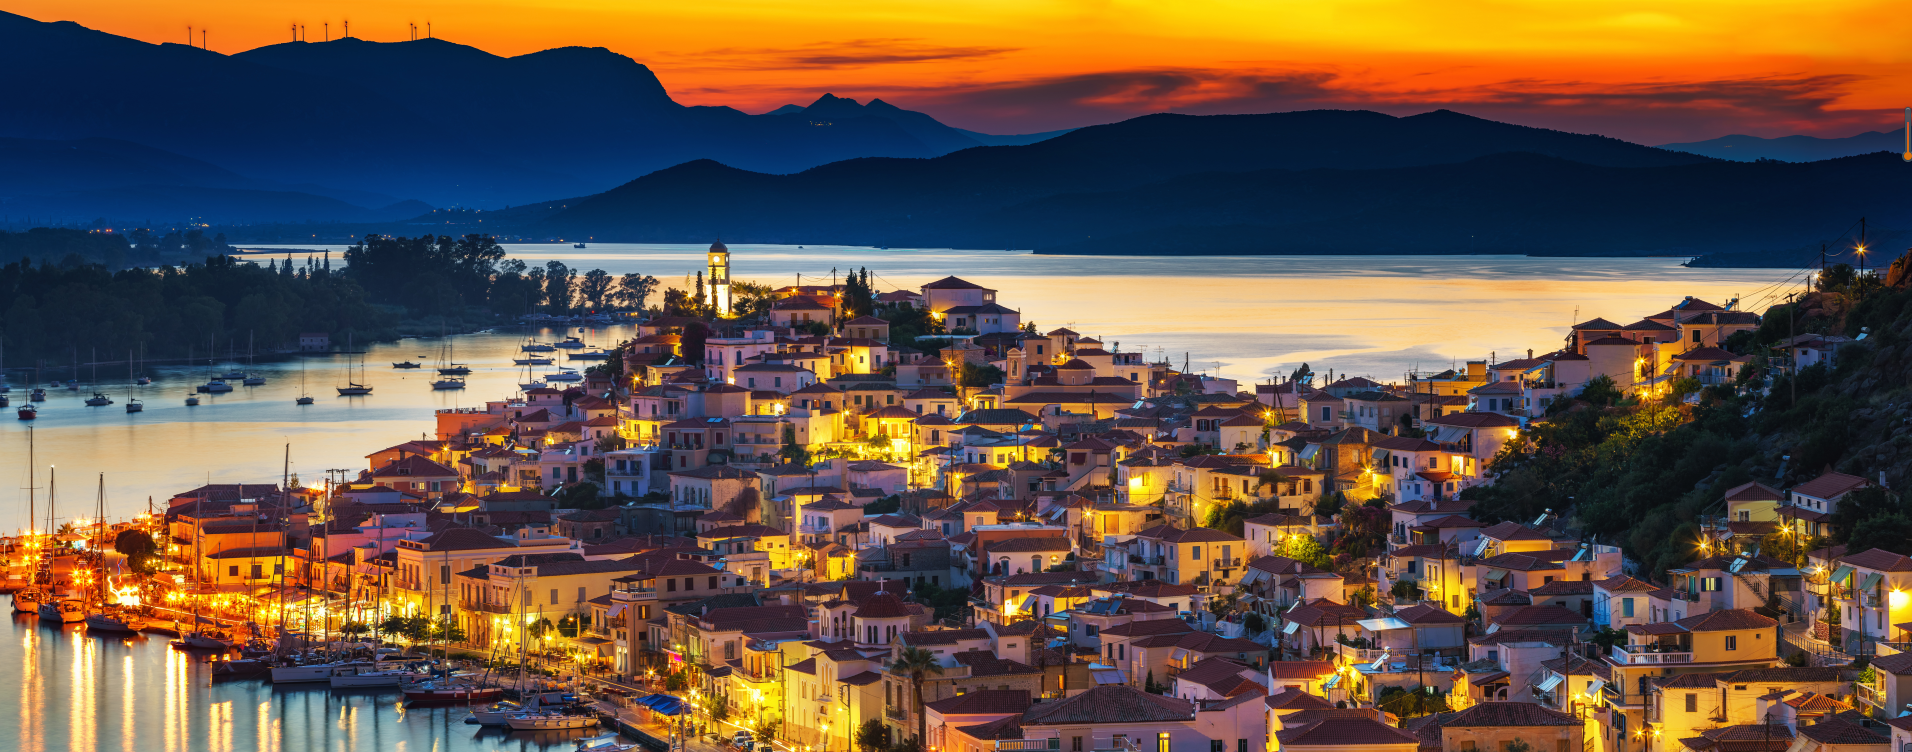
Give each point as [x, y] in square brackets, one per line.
[633, 290]
[872, 736]
[595, 287]
[139, 549]
[916, 664]
[558, 283]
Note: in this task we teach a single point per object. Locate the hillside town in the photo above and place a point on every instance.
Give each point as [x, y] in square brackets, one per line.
[818, 534]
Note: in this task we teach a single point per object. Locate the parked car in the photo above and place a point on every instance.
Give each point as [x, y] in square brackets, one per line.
[743, 741]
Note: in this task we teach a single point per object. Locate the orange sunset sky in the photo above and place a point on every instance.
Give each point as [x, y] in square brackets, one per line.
[1658, 72]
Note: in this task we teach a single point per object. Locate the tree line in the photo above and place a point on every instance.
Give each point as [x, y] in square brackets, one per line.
[439, 275]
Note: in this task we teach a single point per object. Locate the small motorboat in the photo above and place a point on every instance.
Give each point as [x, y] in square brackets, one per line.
[107, 621]
[532, 361]
[29, 412]
[98, 400]
[455, 369]
[495, 713]
[253, 379]
[448, 383]
[72, 385]
[167, 628]
[564, 375]
[38, 395]
[143, 380]
[215, 386]
[203, 641]
[27, 602]
[192, 400]
[135, 406]
[604, 743]
[4, 401]
[570, 343]
[406, 364]
[577, 245]
[305, 673]
[63, 612]
[451, 692]
[533, 385]
[574, 717]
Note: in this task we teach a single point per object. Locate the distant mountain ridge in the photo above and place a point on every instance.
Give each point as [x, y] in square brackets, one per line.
[443, 122]
[1303, 182]
[1741, 148]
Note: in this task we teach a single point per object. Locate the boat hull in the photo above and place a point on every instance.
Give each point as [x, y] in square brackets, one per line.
[453, 694]
[105, 623]
[26, 603]
[537, 722]
[64, 612]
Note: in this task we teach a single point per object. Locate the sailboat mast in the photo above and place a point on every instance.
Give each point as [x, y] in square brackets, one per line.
[99, 547]
[285, 476]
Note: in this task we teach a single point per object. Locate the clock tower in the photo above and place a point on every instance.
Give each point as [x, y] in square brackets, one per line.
[719, 279]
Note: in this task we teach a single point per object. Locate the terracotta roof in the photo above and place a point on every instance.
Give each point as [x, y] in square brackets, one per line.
[1754, 491]
[1542, 615]
[985, 663]
[1300, 669]
[1475, 420]
[1878, 559]
[1002, 728]
[1026, 545]
[1837, 730]
[943, 636]
[1422, 613]
[1829, 485]
[1342, 728]
[1294, 699]
[983, 702]
[1728, 619]
[1110, 703]
[882, 605]
[1511, 714]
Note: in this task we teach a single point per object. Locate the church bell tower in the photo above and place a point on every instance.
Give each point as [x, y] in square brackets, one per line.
[719, 279]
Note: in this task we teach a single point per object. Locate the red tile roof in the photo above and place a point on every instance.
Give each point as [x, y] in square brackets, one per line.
[1829, 485]
[983, 702]
[1511, 714]
[1110, 703]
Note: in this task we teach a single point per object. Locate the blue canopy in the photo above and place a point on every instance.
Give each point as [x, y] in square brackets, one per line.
[664, 704]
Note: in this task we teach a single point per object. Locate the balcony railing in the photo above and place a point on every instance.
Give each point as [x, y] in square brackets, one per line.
[1649, 654]
[896, 713]
[1358, 655]
[1234, 563]
[1871, 696]
[485, 606]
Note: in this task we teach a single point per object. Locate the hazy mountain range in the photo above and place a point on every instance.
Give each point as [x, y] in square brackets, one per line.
[1793, 148]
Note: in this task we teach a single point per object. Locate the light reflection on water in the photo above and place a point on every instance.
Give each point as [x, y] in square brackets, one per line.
[83, 692]
[1256, 316]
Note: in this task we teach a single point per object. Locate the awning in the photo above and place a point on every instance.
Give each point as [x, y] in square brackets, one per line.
[1292, 626]
[1596, 687]
[1109, 676]
[1871, 581]
[1841, 573]
[664, 704]
[1495, 575]
[1383, 623]
[1332, 682]
[1549, 684]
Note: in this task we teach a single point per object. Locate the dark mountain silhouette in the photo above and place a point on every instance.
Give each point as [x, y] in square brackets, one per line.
[933, 201]
[1793, 148]
[444, 122]
[831, 108]
[253, 120]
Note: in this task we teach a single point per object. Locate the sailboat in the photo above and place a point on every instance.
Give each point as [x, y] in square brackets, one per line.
[98, 399]
[251, 379]
[351, 388]
[452, 368]
[133, 405]
[4, 386]
[304, 399]
[105, 618]
[56, 608]
[142, 379]
[28, 601]
[214, 384]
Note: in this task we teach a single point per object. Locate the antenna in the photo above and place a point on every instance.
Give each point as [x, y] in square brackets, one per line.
[428, 35]
[202, 39]
[348, 30]
[1908, 134]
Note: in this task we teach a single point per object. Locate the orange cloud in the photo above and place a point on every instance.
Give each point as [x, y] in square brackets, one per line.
[1665, 71]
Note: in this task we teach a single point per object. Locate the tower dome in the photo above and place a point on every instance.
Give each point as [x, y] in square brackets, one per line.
[718, 247]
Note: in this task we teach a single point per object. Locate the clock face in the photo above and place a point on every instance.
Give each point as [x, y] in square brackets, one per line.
[717, 258]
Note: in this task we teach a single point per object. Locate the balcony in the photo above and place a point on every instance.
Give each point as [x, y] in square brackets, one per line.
[1871, 696]
[485, 607]
[1028, 745]
[1234, 563]
[1358, 655]
[1631, 655]
[896, 714]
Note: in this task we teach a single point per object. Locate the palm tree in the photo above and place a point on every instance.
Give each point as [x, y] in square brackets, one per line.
[916, 663]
